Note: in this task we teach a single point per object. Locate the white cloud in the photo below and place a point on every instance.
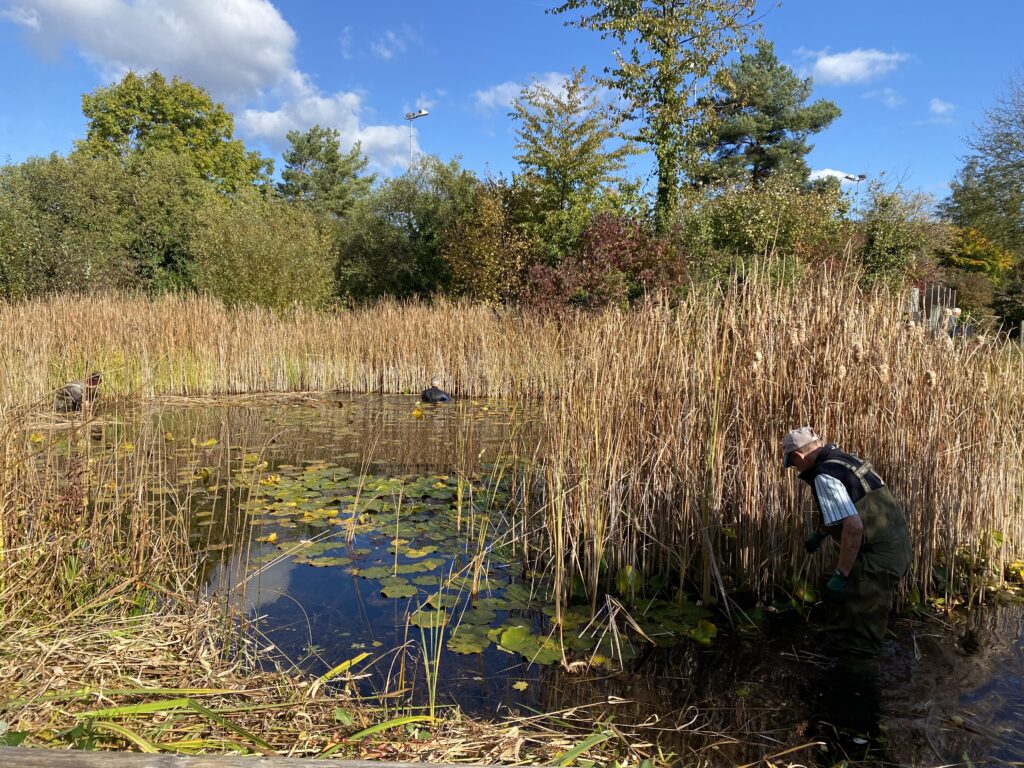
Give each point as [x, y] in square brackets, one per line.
[393, 43]
[346, 41]
[856, 66]
[831, 173]
[890, 97]
[241, 51]
[503, 94]
[387, 146]
[25, 17]
[233, 48]
[940, 107]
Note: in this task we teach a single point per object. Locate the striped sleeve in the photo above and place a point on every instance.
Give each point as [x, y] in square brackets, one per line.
[834, 500]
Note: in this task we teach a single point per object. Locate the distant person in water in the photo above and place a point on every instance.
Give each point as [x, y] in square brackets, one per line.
[435, 394]
[72, 397]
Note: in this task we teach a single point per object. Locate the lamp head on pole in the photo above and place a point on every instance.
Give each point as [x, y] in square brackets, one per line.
[410, 116]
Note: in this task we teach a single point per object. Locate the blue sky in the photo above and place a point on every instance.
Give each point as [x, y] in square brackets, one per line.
[912, 77]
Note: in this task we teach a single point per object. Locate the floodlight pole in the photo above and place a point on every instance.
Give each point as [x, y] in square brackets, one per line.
[410, 116]
[858, 178]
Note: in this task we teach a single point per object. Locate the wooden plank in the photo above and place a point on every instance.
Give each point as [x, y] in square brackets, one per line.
[20, 757]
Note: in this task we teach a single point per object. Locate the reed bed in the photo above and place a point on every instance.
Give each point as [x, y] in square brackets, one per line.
[658, 456]
[661, 453]
[660, 425]
[189, 345]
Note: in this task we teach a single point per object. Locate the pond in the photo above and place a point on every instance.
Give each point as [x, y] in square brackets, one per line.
[377, 530]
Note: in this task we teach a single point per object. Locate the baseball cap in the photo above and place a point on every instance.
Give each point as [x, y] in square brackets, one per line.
[796, 439]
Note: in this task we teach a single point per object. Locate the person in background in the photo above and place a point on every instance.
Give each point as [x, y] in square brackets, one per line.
[71, 398]
[434, 394]
[860, 513]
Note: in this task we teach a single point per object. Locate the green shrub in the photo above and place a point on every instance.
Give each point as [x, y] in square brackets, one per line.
[252, 249]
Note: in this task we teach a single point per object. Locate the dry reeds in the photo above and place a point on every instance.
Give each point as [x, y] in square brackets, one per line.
[662, 452]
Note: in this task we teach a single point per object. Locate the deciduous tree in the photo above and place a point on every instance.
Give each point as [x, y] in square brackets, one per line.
[140, 113]
[671, 48]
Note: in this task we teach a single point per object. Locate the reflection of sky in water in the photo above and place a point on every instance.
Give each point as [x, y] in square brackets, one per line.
[321, 616]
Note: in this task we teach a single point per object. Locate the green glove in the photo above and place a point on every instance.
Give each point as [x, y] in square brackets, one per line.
[835, 590]
[813, 541]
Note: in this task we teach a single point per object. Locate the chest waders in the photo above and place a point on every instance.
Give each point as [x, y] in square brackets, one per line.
[883, 559]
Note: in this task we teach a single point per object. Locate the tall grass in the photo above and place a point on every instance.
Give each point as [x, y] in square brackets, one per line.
[660, 425]
[662, 449]
[192, 345]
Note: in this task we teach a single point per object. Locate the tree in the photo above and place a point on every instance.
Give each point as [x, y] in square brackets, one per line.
[145, 113]
[61, 226]
[562, 141]
[485, 253]
[251, 249]
[316, 172]
[763, 120]
[901, 237]
[971, 251]
[565, 159]
[988, 192]
[673, 47]
[392, 242]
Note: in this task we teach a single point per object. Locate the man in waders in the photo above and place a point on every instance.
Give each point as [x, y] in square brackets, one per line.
[860, 513]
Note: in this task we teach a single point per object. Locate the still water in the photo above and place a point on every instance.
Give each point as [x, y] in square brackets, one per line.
[376, 525]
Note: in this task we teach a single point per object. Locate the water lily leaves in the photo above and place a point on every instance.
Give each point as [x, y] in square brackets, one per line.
[427, 581]
[521, 640]
[803, 590]
[399, 590]
[478, 616]
[374, 572]
[704, 632]
[574, 641]
[517, 596]
[521, 685]
[415, 553]
[421, 565]
[468, 639]
[443, 600]
[428, 619]
[393, 581]
[326, 562]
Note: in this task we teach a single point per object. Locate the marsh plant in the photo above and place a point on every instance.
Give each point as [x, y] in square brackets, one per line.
[658, 425]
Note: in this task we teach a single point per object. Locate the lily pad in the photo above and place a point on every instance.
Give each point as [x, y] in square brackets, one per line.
[534, 648]
[428, 619]
[399, 590]
[467, 640]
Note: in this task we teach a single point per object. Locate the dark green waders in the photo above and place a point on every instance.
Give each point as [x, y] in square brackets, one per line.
[883, 560]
